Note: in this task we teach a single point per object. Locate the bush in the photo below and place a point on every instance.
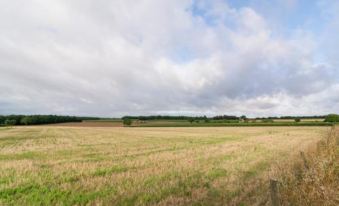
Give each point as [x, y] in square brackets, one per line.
[297, 120]
[127, 122]
[332, 118]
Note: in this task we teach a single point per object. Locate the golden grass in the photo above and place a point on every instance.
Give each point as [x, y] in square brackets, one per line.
[143, 166]
[311, 178]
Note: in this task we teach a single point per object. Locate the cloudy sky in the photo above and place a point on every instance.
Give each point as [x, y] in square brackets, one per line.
[191, 57]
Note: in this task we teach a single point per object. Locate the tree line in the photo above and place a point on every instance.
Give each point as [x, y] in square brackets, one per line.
[162, 117]
[127, 120]
[332, 118]
[51, 119]
[218, 117]
[295, 117]
[168, 117]
[39, 119]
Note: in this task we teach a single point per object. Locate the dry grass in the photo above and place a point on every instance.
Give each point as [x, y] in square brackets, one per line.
[143, 166]
[312, 178]
[89, 124]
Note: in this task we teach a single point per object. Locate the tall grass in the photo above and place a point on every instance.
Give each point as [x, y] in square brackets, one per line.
[313, 177]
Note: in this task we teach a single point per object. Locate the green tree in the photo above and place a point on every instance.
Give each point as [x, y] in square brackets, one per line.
[26, 120]
[10, 122]
[332, 118]
[2, 120]
[127, 122]
[297, 120]
[243, 118]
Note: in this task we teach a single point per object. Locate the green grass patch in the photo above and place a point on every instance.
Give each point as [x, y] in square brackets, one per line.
[36, 194]
[216, 173]
[23, 156]
[104, 120]
[110, 170]
[7, 177]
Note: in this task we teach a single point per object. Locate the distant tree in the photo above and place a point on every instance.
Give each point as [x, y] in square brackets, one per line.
[26, 120]
[191, 120]
[10, 122]
[225, 117]
[332, 118]
[243, 118]
[297, 120]
[127, 122]
[2, 120]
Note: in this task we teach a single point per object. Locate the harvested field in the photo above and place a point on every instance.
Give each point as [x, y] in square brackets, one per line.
[88, 124]
[144, 166]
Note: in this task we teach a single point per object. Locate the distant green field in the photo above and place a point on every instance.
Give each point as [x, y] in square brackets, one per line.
[221, 124]
[104, 120]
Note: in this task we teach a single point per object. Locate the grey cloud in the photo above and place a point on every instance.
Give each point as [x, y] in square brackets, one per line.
[111, 58]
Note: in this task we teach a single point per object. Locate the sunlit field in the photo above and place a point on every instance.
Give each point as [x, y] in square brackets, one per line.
[144, 166]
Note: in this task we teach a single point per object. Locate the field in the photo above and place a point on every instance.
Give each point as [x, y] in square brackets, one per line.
[89, 124]
[227, 123]
[186, 123]
[58, 165]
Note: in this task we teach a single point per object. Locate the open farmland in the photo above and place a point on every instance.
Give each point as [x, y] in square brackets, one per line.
[89, 124]
[143, 166]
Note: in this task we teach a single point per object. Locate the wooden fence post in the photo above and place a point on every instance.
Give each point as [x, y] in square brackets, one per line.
[274, 192]
[302, 154]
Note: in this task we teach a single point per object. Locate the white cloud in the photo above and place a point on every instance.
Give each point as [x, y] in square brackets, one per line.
[112, 58]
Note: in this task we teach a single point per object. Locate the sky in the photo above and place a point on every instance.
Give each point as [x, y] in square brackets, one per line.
[170, 57]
